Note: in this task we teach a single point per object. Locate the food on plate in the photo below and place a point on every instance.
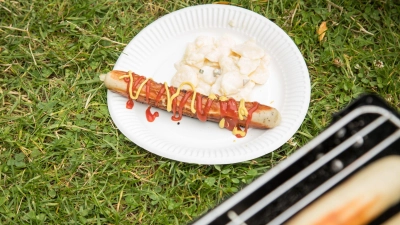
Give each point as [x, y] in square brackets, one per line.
[236, 116]
[394, 220]
[209, 62]
[358, 200]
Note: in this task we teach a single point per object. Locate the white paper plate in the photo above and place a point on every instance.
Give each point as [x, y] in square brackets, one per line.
[156, 48]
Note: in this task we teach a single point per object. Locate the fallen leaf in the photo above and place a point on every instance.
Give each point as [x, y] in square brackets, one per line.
[222, 3]
[322, 30]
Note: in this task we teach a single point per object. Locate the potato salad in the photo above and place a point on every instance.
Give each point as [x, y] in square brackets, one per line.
[221, 66]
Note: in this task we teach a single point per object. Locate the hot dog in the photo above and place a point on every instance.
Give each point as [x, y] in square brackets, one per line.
[229, 113]
[394, 220]
[358, 200]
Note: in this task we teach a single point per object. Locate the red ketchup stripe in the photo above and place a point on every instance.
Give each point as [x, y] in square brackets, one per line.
[202, 114]
[151, 116]
[228, 108]
[181, 105]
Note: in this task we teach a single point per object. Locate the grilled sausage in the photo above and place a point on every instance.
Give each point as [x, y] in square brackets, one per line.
[358, 200]
[259, 116]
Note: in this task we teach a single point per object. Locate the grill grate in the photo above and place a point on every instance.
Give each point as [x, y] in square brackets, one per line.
[362, 133]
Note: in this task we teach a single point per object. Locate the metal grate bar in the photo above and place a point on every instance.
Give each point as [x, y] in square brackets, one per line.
[336, 179]
[385, 115]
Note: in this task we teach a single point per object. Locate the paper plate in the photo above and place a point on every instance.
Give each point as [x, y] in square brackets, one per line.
[156, 48]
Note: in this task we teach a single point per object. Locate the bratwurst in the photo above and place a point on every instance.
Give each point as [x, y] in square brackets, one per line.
[229, 113]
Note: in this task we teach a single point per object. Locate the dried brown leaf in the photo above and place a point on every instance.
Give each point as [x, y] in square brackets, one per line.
[322, 31]
[222, 2]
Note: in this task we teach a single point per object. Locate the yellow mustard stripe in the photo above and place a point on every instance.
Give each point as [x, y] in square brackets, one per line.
[169, 101]
[222, 123]
[212, 96]
[242, 111]
[130, 84]
[140, 89]
[179, 90]
[223, 98]
[123, 76]
[235, 131]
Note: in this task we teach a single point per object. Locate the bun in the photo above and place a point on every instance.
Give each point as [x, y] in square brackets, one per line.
[358, 200]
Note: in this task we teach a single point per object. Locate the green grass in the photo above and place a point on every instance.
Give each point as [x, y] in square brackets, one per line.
[62, 161]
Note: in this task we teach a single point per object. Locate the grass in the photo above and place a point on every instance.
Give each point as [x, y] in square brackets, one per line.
[62, 161]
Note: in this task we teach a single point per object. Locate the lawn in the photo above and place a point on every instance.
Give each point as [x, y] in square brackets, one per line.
[63, 161]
